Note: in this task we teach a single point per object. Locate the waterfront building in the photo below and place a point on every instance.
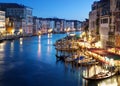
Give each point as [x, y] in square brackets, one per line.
[94, 18]
[21, 16]
[59, 25]
[9, 26]
[105, 21]
[85, 25]
[44, 25]
[51, 25]
[115, 21]
[63, 25]
[70, 25]
[100, 22]
[2, 22]
[36, 25]
[77, 25]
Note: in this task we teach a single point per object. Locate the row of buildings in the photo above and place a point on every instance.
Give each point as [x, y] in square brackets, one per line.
[55, 24]
[16, 19]
[104, 22]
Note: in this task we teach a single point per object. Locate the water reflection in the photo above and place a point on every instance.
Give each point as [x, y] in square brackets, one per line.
[92, 70]
[39, 50]
[50, 35]
[21, 44]
[2, 46]
[2, 49]
[21, 41]
[113, 81]
[39, 45]
[39, 38]
[49, 41]
[11, 48]
[109, 82]
[49, 46]
[76, 71]
[26, 67]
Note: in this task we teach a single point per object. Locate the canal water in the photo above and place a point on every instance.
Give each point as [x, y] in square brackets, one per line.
[32, 62]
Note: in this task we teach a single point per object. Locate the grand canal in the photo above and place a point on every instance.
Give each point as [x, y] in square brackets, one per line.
[32, 62]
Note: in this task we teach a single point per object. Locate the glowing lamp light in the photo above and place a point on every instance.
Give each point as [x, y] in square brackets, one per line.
[39, 32]
[98, 44]
[50, 30]
[21, 30]
[68, 30]
[72, 34]
[12, 31]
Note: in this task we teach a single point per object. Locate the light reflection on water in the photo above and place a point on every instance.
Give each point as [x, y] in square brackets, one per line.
[112, 81]
[109, 82]
[2, 48]
[39, 45]
[49, 46]
[25, 69]
[21, 41]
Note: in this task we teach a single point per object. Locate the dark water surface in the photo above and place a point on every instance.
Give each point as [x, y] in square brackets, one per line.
[32, 62]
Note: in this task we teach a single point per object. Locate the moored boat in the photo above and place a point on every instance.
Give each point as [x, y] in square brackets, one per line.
[71, 58]
[100, 76]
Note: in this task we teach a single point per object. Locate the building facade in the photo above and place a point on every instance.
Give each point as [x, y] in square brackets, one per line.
[100, 22]
[115, 21]
[70, 25]
[107, 14]
[2, 22]
[94, 18]
[77, 25]
[21, 16]
[59, 25]
[36, 25]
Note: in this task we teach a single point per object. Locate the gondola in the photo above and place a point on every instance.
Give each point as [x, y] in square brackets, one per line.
[101, 75]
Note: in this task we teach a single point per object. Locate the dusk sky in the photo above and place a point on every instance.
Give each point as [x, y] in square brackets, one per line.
[67, 9]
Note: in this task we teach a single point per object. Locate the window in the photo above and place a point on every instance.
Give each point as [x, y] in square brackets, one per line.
[105, 20]
[118, 5]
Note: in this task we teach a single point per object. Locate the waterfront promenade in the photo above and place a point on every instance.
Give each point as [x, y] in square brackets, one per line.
[80, 47]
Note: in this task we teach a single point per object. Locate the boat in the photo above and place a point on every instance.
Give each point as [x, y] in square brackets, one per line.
[85, 61]
[100, 76]
[68, 59]
[61, 57]
[71, 58]
[100, 73]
